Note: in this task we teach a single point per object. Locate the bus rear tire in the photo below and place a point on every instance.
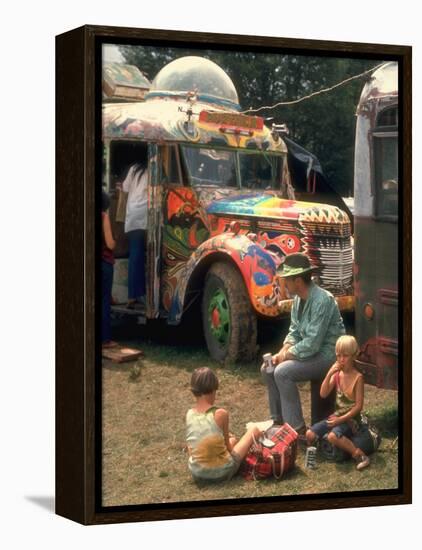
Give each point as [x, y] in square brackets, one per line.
[229, 322]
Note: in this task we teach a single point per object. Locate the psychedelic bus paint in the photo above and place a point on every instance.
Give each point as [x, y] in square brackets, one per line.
[220, 192]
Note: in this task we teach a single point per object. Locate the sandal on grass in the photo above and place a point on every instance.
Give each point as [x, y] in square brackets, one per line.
[362, 462]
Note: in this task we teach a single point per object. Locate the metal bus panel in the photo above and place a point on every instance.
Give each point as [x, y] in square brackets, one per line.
[376, 231]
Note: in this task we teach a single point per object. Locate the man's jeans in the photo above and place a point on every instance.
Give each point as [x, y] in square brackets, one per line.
[283, 394]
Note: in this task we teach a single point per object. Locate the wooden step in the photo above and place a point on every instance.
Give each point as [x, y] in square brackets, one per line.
[122, 354]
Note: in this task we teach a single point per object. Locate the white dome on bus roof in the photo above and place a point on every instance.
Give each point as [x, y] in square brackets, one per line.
[191, 73]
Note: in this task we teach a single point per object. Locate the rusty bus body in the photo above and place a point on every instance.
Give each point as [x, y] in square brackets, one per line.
[376, 277]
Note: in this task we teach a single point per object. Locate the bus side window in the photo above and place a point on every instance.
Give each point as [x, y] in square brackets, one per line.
[171, 169]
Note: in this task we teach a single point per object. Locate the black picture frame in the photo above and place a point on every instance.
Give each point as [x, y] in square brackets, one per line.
[78, 378]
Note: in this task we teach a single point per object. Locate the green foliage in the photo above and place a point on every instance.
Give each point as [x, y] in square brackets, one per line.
[323, 124]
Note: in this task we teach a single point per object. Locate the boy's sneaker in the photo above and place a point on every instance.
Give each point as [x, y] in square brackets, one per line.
[362, 462]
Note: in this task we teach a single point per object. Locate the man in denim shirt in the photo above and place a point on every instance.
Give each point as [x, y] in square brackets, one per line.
[309, 348]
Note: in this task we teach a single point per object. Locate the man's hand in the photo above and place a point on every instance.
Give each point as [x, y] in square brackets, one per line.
[283, 354]
[276, 358]
[288, 356]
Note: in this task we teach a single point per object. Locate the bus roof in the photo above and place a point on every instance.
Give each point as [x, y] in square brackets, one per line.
[383, 85]
[166, 119]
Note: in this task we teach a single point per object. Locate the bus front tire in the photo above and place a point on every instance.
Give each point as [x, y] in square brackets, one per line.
[229, 322]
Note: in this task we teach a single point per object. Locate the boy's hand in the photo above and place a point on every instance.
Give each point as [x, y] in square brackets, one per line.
[335, 368]
[333, 421]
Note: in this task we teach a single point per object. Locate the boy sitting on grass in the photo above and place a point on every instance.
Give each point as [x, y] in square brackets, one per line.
[214, 454]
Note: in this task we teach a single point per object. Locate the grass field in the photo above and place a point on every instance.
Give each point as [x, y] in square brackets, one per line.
[144, 460]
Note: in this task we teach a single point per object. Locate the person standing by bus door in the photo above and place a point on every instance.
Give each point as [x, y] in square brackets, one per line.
[136, 185]
[107, 268]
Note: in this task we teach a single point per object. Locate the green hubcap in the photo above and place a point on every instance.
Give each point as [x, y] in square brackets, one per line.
[219, 317]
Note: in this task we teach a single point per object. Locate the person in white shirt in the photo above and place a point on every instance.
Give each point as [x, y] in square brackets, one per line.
[136, 185]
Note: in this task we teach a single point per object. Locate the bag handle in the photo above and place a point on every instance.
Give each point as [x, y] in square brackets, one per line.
[271, 458]
[277, 476]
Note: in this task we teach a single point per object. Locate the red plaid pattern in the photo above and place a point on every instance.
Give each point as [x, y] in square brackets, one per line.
[262, 462]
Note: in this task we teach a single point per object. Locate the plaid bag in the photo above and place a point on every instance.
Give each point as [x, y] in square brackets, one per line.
[262, 462]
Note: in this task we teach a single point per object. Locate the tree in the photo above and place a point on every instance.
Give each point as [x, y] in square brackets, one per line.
[323, 124]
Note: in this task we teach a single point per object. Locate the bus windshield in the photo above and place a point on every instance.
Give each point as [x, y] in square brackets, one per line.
[260, 170]
[231, 168]
[210, 166]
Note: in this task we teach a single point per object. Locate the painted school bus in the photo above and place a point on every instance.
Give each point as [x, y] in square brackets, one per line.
[222, 211]
[376, 229]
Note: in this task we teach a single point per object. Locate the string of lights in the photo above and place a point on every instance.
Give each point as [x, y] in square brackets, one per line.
[313, 94]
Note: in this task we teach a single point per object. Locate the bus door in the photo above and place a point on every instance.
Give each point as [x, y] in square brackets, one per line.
[376, 258]
[154, 229]
[385, 148]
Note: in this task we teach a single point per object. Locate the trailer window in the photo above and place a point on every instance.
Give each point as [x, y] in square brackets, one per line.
[210, 166]
[388, 117]
[386, 175]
